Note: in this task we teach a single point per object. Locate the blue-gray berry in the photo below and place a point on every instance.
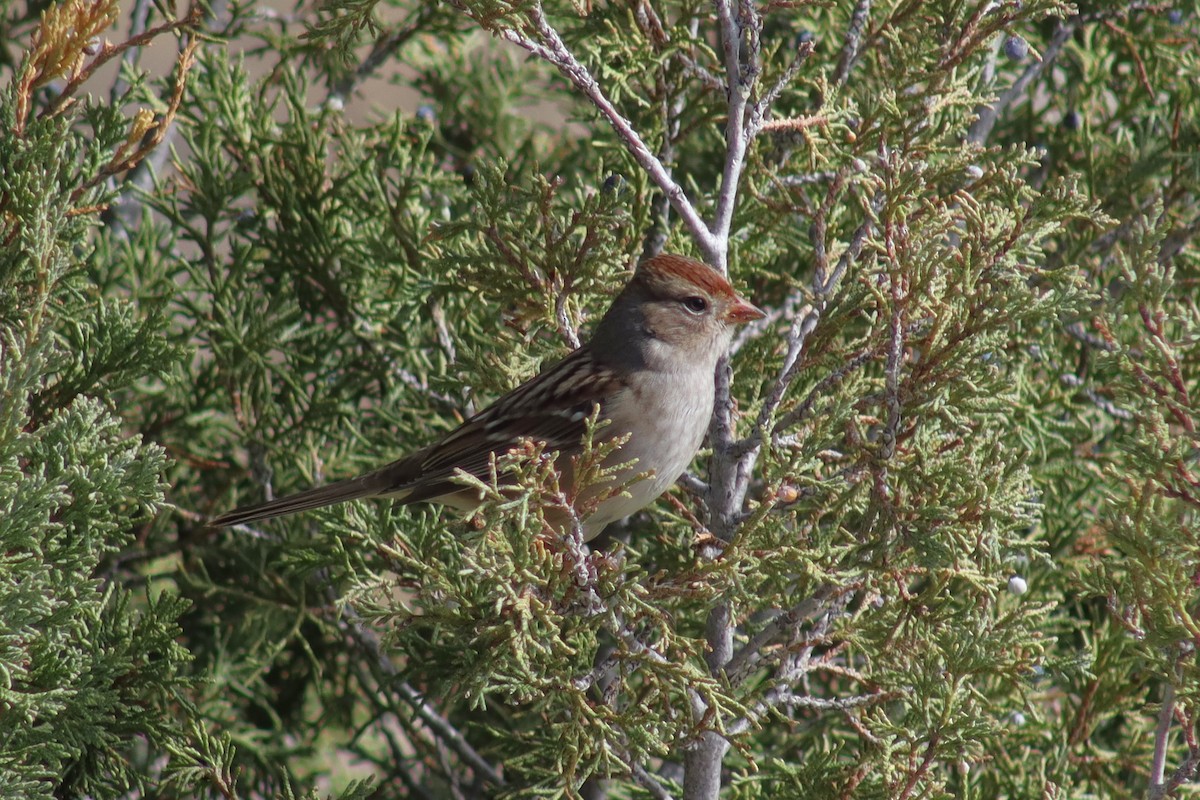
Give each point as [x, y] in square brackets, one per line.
[1016, 48]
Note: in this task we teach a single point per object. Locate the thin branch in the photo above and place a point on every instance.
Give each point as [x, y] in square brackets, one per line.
[551, 49]
[895, 356]
[793, 666]
[1185, 772]
[384, 48]
[128, 156]
[801, 411]
[808, 178]
[692, 485]
[1162, 738]
[437, 723]
[762, 108]
[138, 19]
[989, 115]
[692, 69]
[367, 678]
[108, 52]
[783, 696]
[746, 658]
[824, 283]
[853, 42]
[650, 783]
[671, 109]
[786, 310]
[739, 84]
[1176, 241]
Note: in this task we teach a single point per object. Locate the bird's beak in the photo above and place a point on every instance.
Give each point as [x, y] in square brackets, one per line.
[743, 311]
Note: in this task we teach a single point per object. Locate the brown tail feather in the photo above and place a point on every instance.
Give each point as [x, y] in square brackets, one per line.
[373, 484]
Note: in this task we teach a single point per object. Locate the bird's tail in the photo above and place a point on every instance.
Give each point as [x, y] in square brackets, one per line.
[373, 484]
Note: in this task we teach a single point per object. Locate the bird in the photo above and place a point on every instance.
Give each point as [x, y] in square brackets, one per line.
[648, 370]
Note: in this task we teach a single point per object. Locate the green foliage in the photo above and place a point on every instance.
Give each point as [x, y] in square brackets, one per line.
[94, 680]
[965, 565]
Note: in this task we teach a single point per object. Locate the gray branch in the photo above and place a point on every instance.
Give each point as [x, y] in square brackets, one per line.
[853, 42]
[438, 724]
[549, 47]
[988, 116]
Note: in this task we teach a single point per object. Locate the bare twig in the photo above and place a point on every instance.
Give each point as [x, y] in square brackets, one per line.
[739, 82]
[1162, 738]
[444, 730]
[746, 658]
[549, 47]
[650, 783]
[853, 43]
[762, 108]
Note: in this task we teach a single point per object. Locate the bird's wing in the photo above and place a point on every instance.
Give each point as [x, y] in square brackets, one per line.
[552, 408]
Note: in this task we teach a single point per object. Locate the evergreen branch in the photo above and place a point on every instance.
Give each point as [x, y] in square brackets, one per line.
[649, 783]
[853, 42]
[146, 134]
[762, 107]
[746, 659]
[445, 731]
[384, 48]
[109, 51]
[1162, 738]
[550, 48]
[989, 115]
[740, 77]
[824, 283]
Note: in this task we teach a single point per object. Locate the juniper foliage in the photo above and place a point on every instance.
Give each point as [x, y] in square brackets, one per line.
[942, 542]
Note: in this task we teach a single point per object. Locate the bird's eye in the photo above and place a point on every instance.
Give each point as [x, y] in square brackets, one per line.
[696, 305]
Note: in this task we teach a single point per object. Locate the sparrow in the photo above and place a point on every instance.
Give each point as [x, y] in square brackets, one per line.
[649, 368]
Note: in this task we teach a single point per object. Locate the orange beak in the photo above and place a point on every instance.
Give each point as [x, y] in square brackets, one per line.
[743, 311]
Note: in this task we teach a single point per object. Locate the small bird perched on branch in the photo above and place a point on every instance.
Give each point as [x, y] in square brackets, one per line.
[649, 368]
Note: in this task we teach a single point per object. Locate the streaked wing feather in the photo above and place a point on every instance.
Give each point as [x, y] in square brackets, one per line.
[552, 408]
